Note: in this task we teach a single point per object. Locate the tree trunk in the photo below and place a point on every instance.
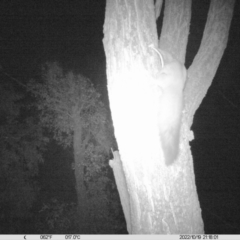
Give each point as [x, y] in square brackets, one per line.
[162, 199]
[79, 173]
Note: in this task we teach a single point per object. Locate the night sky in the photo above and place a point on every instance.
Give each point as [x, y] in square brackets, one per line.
[33, 32]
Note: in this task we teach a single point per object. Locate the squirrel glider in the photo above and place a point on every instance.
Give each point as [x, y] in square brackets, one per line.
[171, 81]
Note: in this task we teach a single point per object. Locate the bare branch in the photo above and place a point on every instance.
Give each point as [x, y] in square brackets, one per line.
[175, 30]
[206, 62]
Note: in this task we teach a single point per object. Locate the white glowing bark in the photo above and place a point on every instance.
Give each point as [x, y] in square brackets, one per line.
[162, 199]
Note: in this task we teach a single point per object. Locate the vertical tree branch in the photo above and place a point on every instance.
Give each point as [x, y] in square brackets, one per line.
[206, 62]
[175, 30]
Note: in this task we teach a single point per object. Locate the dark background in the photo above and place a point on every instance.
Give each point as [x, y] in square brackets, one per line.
[71, 32]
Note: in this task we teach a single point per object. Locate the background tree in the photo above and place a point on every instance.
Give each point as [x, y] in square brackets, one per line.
[157, 198]
[72, 109]
[21, 147]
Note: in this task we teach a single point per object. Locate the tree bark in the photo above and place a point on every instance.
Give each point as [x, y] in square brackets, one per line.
[162, 199]
[206, 61]
[116, 165]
